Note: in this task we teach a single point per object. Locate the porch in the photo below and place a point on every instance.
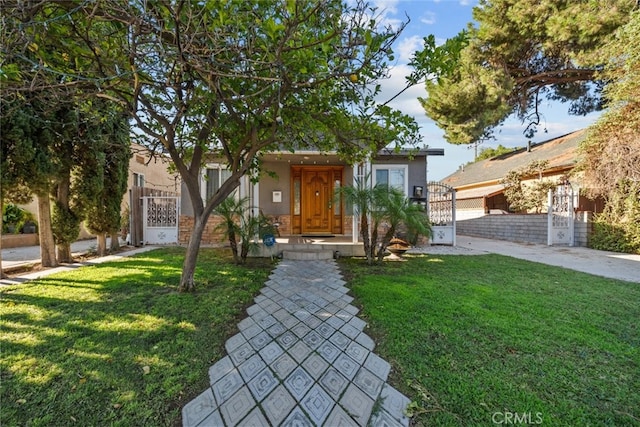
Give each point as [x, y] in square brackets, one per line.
[310, 247]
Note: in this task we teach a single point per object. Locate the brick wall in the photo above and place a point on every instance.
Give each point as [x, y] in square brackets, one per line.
[210, 236]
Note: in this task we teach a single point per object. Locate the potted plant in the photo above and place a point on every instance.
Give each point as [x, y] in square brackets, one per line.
[11, 217]
[29, 226]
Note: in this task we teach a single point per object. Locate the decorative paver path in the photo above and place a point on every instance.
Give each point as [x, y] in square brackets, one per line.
[301, 358]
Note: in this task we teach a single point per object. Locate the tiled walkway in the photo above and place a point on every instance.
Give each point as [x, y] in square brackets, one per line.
[301, 359]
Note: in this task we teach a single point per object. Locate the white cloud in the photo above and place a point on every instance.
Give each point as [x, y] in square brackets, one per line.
[407, 46]
[385, 13]
[407, 102]
[428, 18]
[465, 2]
[388, 6]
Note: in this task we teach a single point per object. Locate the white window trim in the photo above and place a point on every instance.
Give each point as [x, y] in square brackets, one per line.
[203, 178]
[241, 191]
[136, 179]
[404, 167]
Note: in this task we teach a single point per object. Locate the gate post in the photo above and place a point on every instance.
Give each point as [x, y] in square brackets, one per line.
[453, 214]
[145, 212]
[550, 217]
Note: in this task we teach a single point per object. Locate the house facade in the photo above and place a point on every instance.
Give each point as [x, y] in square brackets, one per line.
[298, 191]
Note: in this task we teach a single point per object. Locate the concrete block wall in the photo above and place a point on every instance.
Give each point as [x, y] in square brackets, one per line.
[515, 227]
[583, 226]
[530, 228]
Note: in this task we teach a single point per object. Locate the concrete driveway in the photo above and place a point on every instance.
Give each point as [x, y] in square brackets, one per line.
[613, 265]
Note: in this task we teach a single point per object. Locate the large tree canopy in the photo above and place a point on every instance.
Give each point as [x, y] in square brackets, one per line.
[610, 162]
[611, 151]
[233, 78]
[521, 53]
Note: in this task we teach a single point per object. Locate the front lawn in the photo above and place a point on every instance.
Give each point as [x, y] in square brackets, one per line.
[115, 343]
[484, 340]
[473, 339]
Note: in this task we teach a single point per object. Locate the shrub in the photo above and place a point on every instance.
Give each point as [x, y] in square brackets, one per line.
[12, 218]
[617, 228]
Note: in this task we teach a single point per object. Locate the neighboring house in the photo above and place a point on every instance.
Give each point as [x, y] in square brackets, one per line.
[481, 203]
[150, 171]
[145, 171]
[478, 188]
[298, 192]
[150, 175]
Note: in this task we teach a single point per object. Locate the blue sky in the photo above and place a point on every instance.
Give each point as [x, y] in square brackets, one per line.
[444, 19]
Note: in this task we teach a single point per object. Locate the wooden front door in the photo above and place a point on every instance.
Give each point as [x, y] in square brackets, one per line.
[316, 201]
[314, 210]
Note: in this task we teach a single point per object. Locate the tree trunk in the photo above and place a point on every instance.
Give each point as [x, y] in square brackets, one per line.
[64, 253]
[187, 283]
[64, 187]
[244, 252]
[385, 243]
[2, 275]
[233, 243]
[102, 244]
[47, 244]
[374, 240]
[366, 241]
[115, 241]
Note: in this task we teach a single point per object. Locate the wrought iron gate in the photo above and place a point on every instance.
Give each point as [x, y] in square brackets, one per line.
[560, 215]
[155, 222]
[441, 208]
[161, 220]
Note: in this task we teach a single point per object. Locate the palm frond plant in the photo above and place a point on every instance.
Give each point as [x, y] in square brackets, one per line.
[360, 198]
[381, 205]
[232, 210]
[399, 213]
[248, 230]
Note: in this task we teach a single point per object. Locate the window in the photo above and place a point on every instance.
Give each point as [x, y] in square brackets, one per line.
[138, 180]
[392, 176]
[214, 176]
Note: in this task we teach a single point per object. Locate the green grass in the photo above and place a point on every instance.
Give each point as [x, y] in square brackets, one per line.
[76, 347]
[472, 336]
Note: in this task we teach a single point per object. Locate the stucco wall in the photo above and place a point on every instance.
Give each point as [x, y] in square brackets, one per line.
[280, 182]
[155, 170]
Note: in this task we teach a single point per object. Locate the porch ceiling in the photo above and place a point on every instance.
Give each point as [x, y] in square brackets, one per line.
[305, 158]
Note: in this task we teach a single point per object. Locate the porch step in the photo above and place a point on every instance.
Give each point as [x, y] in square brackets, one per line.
[307, 255]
